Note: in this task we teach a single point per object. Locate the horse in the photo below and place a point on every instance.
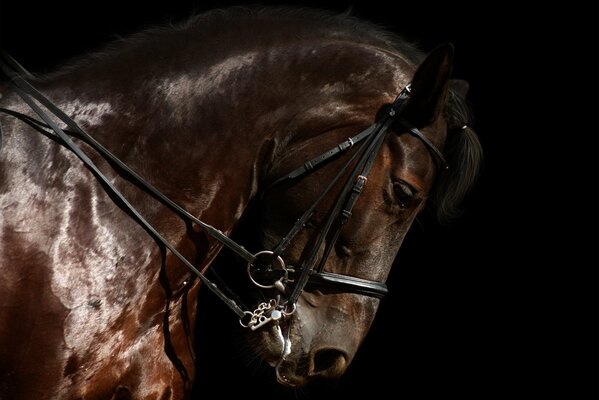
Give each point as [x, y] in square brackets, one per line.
[332, 133]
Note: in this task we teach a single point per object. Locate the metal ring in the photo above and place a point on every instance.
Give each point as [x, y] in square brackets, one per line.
[288, 313]
[251, 314]
[281, 262]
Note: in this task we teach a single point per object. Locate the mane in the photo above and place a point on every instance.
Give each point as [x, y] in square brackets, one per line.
[309, 23]
[320, 20]
[463, 152]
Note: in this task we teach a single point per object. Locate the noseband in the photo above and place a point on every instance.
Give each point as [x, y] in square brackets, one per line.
[266, 265]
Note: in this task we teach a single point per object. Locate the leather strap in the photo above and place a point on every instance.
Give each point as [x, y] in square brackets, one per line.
[349, 284]
[327, 155]
[345, 283]
[412, 130]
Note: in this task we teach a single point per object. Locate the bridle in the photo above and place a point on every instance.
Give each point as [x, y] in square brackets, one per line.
[266, 265]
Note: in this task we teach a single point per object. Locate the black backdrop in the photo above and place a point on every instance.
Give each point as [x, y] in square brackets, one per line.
[501, 303]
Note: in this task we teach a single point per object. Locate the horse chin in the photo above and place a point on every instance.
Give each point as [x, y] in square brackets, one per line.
[289, 379]
[296, 372]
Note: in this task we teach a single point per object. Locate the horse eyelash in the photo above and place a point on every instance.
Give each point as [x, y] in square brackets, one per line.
[404, 202]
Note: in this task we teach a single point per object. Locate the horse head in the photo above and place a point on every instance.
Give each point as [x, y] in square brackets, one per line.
[320, 338]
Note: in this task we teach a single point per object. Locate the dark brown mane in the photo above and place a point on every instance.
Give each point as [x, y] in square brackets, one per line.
[313, 21]
[463, 152]
[284, 22]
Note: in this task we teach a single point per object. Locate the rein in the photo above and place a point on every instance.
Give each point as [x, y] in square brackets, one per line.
[260, 264]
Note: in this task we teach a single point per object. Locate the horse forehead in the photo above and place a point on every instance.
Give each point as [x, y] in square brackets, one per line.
[406, 154]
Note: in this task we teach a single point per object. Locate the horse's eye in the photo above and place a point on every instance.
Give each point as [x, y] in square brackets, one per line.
[404, 193]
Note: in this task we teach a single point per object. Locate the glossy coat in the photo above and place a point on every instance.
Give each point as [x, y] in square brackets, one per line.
[210, 112]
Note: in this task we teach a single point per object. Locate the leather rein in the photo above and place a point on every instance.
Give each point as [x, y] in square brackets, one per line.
[263, 266]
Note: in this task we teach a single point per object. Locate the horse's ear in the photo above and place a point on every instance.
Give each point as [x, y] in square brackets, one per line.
[429, 86]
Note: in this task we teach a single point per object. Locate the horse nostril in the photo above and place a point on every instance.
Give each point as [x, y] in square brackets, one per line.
[329, 362]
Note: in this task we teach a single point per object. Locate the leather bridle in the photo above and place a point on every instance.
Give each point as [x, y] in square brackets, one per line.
[267, 265]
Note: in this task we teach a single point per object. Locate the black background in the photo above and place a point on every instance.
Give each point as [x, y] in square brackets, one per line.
[503, 302]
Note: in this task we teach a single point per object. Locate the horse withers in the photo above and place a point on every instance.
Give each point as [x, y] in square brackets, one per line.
[217, 114]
